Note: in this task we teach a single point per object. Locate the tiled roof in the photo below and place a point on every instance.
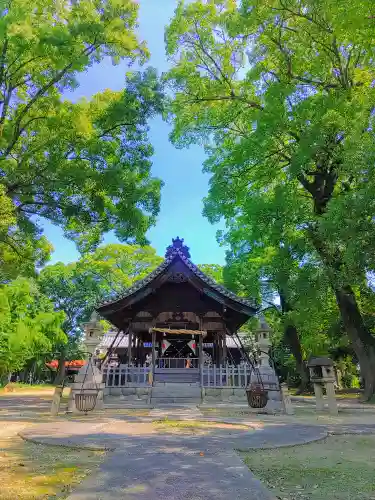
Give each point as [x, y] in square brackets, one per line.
[156, 272]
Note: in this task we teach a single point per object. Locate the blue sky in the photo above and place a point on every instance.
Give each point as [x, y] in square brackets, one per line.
[181, 170]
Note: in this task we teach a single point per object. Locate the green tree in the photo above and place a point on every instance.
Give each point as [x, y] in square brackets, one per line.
[77, 287]
[19, 251]
[282, 97]
[214, 271]
[85, 166]
[28, 325]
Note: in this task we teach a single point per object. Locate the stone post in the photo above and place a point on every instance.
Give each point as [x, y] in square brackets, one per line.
[287, 402]
[55, 406]
[329, 379]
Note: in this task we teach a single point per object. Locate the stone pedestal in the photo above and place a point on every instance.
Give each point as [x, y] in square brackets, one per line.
[319, 398]
[90, 382]
[331, 398]
[323, 377]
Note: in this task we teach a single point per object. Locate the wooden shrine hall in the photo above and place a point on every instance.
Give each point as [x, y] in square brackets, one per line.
[170, 315]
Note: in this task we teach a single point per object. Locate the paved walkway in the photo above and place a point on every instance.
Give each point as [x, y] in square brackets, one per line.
[146, 463]
[183, 412]
[151, 464]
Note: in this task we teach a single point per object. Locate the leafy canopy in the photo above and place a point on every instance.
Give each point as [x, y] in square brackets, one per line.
[85, 166]
[281, 96]
[280, 93]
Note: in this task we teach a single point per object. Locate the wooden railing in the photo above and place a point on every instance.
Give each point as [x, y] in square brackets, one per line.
[236, 376]
[124, 375]
[226, 376]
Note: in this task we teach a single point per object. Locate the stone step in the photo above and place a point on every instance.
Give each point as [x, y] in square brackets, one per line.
[119, 404]
[175, 384]
[157, 401]
[182, 379]
[176, 375]
[178, 392]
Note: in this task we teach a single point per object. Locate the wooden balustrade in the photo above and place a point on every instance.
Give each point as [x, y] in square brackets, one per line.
[124, 375]
[236, 376]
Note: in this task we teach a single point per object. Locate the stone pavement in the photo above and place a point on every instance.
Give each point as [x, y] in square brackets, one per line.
[173, 412]
[172, 473]
[150, 464]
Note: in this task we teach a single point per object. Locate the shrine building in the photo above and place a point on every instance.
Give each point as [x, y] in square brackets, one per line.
[177, 326]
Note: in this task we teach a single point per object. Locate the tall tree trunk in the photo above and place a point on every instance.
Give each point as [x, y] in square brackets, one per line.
[60, 374]
[291, 338]
[362, 340]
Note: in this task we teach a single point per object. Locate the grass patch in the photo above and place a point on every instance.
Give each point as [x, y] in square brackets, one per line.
[338, 468]
[195, 426]
[223, 412]
[30, 471]
[20, 387]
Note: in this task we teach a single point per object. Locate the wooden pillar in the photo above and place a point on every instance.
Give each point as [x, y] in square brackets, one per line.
[141, 350]
[140, 363]
[218, 345]
[201, 357]
[138, 349]
[130, 346]
[224, 340]
[153, 340]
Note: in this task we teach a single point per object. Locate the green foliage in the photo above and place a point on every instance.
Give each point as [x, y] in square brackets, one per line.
[85, 166]
[77, 287]
[214, 271]
[20, 251]
[281, 96]
[28, 324]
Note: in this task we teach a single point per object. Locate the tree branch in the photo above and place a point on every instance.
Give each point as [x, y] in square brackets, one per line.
[107, 131]
[17, 127]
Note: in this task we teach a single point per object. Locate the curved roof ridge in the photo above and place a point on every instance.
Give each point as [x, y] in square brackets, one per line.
[158, 270]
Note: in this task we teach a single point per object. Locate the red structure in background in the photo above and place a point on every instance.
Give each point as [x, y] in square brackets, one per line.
[71, 367]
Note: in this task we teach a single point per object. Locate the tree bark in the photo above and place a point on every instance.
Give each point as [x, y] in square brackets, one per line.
[362, 340]
[360, 337]
[60, 374]
[292, 339]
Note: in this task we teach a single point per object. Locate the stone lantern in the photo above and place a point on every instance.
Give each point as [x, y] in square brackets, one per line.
[263, 342]
[89, 380]
[93, 334]
[264, 370]
[322, 375]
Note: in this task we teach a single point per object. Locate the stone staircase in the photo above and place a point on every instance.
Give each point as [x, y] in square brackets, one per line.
[175, 394]
[177, 375]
